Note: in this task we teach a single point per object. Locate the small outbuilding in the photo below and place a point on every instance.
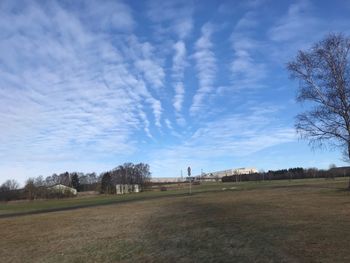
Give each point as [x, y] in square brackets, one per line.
[63, 189]
[127, 188]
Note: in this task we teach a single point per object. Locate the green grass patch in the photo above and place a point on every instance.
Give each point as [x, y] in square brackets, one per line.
[48, 205]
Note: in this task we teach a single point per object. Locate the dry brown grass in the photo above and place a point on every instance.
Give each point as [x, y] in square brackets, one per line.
[278, 224]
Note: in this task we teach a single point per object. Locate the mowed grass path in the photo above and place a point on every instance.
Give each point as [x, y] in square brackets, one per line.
[299, 221]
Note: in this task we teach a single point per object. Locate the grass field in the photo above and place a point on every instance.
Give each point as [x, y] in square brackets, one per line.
[278, 221]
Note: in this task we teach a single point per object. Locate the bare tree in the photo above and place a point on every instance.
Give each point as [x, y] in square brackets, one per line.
[10, 185]
[30, 189]
[324, 77]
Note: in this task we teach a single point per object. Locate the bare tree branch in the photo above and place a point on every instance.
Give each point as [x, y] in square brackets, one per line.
[324, 79]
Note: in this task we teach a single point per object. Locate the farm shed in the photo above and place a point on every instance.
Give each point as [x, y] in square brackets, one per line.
[63, 188]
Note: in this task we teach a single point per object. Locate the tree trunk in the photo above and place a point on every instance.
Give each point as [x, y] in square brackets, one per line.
[349, 159]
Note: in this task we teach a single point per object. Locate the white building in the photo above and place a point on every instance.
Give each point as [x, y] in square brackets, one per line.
[249, 170]
[167, 179]
[211, 176]
[63, 189]
[127, 188]
[235, 171]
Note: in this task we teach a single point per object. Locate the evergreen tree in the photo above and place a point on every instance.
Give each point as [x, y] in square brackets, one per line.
[106, 183]
[75, 181]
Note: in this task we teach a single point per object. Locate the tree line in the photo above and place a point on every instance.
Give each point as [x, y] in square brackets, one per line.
[40, 187]
[291, 173]
[128, 173]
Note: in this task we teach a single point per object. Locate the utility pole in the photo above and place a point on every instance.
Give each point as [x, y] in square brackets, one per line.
[189, 176]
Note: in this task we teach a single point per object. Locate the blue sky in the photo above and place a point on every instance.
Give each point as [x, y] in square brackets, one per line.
[88, 85]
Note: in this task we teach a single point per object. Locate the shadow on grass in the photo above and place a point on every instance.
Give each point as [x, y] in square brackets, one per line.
[227, 228]
[103, 203]
[196, 231]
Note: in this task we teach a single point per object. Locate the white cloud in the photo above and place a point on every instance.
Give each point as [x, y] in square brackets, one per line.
[205, 66]
[68, 92]
[87, 85]
[248, 21]
[168, 124]
[157, 109]
[153, 73]
[173, 16]
[299, 28]
[179, 59]
[242, 134]
[298, 21]
[112, 15]
[247, 70]
[143, 117]
[179, 96]
[179, 63]
[173, 20]
[255, 3]
[233, 136]
[145, 61]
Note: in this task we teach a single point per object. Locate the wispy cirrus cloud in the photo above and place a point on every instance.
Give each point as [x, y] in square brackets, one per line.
[109, 16]
[172, 16]
[247, 70]
[299, 27]
[179, 63]
[174, 19]
[241, 134]
[205, 66]
[145, 61]
[67, 90]
[86, 85]
[293, 24]
[233, 136]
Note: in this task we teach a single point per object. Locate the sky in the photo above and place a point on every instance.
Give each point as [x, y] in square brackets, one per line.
[88, 85]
